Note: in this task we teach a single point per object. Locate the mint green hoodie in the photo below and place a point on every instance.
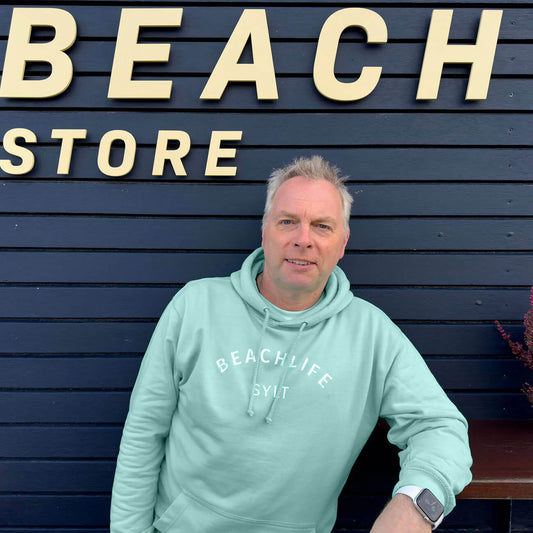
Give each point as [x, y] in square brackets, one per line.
[246, 418]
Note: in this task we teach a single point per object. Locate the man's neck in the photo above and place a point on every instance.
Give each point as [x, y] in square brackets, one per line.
[293, 301]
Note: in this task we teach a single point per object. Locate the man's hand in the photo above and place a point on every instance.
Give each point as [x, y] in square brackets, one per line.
[400, 516]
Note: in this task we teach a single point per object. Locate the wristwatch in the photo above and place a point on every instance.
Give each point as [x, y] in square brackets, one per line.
[426, 502]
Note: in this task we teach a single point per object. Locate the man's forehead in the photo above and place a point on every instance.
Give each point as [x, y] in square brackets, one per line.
[319, 192]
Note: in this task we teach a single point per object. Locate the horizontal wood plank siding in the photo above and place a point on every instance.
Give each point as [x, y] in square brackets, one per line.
[304, 129]
[362, 267]
[186, 199]
[374, 164]
[441, 230]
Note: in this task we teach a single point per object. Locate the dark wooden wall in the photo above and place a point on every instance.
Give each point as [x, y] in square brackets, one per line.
[442, 229]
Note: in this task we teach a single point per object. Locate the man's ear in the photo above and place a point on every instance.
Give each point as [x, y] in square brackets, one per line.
[345, 242]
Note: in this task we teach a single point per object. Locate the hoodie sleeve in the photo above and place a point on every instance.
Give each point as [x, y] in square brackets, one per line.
[152, 404]
[430, 431]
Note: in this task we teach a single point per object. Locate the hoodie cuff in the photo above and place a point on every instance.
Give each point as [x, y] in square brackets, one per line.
[425, 480]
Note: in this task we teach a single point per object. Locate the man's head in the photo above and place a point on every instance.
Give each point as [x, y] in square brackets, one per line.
[313, 168]
[305, 231]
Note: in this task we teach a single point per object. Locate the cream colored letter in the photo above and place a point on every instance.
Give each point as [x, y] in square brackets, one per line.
[216, 152]
[11, 147]
[252, 25]
[67, 143]
[104, 152]
[480, 55]
[162, 153]
[324, 69]
[20, 51]
[128, 52]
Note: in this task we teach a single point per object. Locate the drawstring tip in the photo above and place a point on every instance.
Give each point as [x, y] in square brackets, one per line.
[250, 412]
[268, 420]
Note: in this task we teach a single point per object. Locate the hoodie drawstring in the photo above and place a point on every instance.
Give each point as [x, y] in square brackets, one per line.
[269, 417]
[251, 411]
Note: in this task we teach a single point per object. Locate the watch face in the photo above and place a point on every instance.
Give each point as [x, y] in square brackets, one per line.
[430, 505]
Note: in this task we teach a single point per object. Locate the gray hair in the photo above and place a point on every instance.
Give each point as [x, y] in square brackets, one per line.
[313, 168]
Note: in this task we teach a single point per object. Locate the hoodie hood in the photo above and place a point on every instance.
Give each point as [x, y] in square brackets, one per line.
[335, 297]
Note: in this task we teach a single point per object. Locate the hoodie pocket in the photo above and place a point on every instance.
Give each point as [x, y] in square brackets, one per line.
[187, 514]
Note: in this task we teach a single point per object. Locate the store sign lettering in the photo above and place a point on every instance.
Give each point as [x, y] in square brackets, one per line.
[252, 26]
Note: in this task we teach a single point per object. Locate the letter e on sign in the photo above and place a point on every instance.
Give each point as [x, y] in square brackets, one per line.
[216, 152]
[128, 52]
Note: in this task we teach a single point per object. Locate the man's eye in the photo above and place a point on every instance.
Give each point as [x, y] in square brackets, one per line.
[286, 222]
[323, 226]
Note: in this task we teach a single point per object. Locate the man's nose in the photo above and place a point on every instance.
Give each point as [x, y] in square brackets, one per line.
[302, 237]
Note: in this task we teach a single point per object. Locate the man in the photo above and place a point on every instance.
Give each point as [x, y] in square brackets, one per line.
[258, 391]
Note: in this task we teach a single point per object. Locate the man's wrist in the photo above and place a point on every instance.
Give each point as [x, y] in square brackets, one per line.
[425, 502]
[401, 516]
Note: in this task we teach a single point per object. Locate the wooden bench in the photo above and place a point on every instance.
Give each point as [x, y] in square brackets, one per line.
[502, 472]
[503, 465]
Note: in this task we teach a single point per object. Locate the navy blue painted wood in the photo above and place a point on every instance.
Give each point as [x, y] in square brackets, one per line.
[392, 93]
[303, 130]
[184, 198]
[379, 164]
[368, 268]
[441, 233]
[56, 530]
[147, 302]
[522, 513]
[199, 233]
[51, 441]
[57, 476]
[38, 407]
[53, 510]
[70, 373]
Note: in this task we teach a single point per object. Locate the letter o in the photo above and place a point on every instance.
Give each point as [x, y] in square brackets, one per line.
[104, 151]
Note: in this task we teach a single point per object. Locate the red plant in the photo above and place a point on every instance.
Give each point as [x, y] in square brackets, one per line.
[521, 352]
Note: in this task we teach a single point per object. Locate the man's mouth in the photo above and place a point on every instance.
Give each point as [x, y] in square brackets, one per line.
[298, 262]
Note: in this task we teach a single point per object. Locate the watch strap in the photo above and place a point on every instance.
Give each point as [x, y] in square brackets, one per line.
[413, 492]
[410, 490]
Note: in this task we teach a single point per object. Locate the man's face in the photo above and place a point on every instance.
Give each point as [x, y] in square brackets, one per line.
[303, 240]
